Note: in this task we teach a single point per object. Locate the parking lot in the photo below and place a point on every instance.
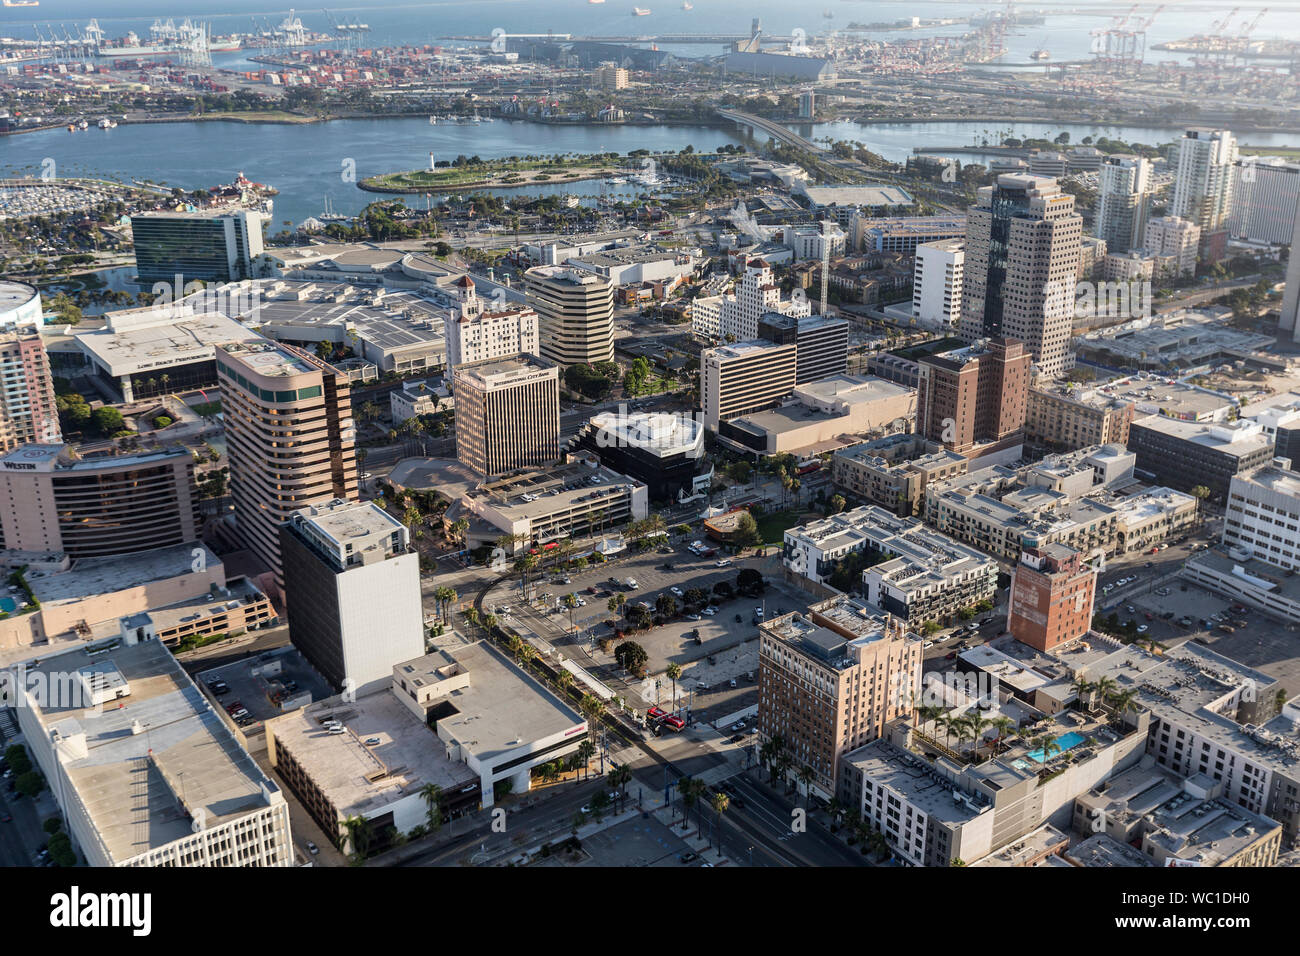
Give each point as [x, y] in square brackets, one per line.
[727, 647]
[640, 842]
[248, 686]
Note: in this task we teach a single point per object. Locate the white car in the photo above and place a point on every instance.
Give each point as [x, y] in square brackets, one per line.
[676, 590]
[710, 611]
[722, 562]
[758, 612]
[928, 644]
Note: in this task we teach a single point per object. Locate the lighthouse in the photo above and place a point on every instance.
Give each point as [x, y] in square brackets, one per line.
[431, 166]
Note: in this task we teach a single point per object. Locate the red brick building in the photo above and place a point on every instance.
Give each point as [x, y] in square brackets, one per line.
[1052, 593]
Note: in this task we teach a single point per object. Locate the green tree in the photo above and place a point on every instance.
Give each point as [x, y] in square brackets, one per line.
[107, 421]
[631, 656]
[432, 794]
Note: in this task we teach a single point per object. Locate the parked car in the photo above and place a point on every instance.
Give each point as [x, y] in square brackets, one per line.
[312, 848]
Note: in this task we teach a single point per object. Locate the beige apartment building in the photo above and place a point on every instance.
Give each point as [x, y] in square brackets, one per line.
[576, 313]
[53, 502]
[745, 377]
[830, 678]
[1063, 417]
[289, 437]
[507, 414]
[27, 407]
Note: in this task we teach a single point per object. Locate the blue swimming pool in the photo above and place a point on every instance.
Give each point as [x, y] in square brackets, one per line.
[1065, 742]
[8, 605]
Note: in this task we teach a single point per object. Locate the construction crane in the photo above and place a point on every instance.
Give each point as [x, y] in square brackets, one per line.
[1250, 27]
[1219, 26]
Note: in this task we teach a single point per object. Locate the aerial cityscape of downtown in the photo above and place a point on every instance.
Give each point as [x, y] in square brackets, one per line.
[570, 434]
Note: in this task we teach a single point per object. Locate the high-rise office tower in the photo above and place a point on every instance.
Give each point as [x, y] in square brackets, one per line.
[1291, 295]
[1265, 193]
[507, 414]
[745, 377]
[290, 438]
[1022, 260]
[822, 343]
[222, 246]
[973, 400]
[1124, 197]
[576, 310]
[27, 410]
[352, 592]
[1204, 179]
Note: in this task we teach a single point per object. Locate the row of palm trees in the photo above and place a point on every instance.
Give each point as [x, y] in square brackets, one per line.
[971, 726]
[693, 791]
[1120, 701]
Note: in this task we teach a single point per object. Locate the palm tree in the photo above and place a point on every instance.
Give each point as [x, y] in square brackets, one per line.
[1103, 687]
[950, 724]
[1123, 701]
[806, 777]
[620, 775]
[586, 750]
[687, 787]
[1083, 688]
[358, 834]
[672, 672]
[571, 602]
[1004, 726]
[525, 564]
[1047, 745]
[473, 617]
[593, 708]
[564, 681]
[514, 643]
[526, 654]
[432, 794]
[489, 622]
[977, 725]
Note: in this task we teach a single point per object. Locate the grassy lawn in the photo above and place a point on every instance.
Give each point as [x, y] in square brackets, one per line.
[1286, 152]
[520, 172]
[773, 526]
[260, 116]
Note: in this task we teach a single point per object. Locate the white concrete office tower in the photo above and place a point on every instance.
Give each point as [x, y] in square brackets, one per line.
[1291, 295]
[576, 312]
[352, 592]
[1259, 517]
[1204, 178]
[757, 294]
[1171, 236]
[936, 282]
[1265, 193]
[746, 377]
[1123, 200]
[491, 334]
[1022, 262]
[144, 772]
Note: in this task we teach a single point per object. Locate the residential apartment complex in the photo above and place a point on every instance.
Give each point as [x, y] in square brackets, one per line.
[972, 400]
[1061, 416]
[1203, 182]
[830, 679]
[1124, 196]
[27, 407]
[1052, 593]
[937, 282]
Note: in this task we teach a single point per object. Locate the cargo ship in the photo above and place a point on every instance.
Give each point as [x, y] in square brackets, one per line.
[22, 3]
[640, 12]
